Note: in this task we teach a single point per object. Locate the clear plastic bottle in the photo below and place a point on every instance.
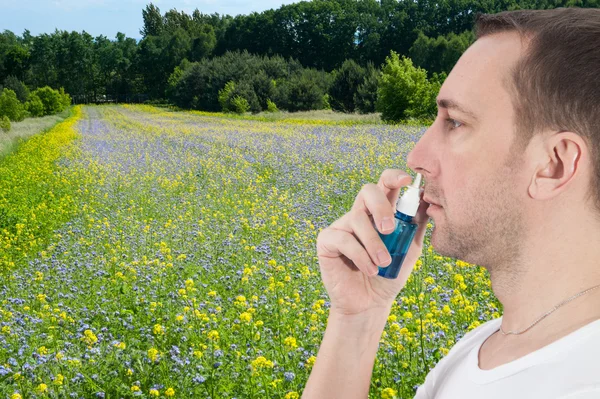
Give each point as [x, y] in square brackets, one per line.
[398, 241]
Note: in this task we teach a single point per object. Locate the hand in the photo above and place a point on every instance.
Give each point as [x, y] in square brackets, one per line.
[347, 249]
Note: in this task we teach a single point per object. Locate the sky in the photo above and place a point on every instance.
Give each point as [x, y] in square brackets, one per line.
[107, 17]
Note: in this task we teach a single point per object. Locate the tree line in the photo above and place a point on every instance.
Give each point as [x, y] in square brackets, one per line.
[307, 55]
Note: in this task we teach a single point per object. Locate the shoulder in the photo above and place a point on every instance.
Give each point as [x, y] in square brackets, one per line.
[480, 332]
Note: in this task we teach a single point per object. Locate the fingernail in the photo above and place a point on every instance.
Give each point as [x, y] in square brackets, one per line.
[383, 257]
[387, 224]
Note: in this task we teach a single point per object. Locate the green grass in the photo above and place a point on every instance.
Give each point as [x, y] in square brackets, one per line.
[21, 131]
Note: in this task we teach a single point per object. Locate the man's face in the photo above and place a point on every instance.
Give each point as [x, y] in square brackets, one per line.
[466, 158]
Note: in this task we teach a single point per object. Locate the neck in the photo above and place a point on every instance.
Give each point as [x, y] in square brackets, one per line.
[552, 267]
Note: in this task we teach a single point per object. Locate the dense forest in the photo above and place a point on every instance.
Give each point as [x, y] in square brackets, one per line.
[307, 55]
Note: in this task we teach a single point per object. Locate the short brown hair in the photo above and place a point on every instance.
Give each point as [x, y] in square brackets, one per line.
[556, 84]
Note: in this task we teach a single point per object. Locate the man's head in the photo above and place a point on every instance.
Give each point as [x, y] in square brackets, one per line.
[517, 133]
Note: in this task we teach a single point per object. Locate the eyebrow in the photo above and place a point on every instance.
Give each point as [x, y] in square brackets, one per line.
[451, 104]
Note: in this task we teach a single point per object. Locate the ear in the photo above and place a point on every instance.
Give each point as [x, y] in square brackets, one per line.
[559, 164]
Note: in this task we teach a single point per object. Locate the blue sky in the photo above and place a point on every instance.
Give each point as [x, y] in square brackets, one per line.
[107, 17]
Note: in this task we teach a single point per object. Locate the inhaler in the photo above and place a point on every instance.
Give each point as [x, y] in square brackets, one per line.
[398, 241]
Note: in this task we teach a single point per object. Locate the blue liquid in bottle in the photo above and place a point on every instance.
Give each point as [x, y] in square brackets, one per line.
[397, 242]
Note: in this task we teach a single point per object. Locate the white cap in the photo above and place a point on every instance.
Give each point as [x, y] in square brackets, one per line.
[409, 202]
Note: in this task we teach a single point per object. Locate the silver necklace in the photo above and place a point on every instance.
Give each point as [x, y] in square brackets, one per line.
[547, 313]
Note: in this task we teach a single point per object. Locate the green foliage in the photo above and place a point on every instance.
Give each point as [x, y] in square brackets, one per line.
[34, 106]
[225, 96]
[271, 106]
[345, 84]
[238, 98]
[11, 107]
[52, 100]
[404, 91]
[65, 98]
[257, 79]
[365, 97]
[304, 91]
[4, 124]
[239, 104]
[326, 101]
[440, 55]
[22, 92]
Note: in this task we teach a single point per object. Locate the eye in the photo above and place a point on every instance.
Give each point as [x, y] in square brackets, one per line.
[453, 123]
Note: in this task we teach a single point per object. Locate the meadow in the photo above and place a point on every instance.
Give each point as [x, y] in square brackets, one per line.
[149, 253]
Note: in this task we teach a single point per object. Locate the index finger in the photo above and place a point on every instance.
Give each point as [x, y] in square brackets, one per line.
[391, 181]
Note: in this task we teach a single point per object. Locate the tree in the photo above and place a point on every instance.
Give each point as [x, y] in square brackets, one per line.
[153, 21]
[365, 97]
[345, 84]
[440, 55]
[404, 91]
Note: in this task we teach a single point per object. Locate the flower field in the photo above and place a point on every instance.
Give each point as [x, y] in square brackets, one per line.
[147, 253]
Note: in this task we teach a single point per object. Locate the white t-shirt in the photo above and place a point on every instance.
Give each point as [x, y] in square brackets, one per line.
[568, 368]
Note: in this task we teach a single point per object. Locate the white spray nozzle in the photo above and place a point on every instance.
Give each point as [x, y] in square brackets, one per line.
[409, 202]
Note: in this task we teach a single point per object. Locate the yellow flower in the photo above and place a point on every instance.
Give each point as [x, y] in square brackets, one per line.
[290, 343]
[42, 388]
[154, 392]
[158, 329]
[260, 363]
[246, 317]
[153, 354]
[407, 315]
[16, 395]
[120, 345]
[388, 393]
[89, 337]
[310, 361]
[170, 392]
[42, 350]
[59, 379]
[135, 388]
[292, 395]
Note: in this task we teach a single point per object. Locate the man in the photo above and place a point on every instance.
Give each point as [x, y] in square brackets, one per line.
[512, 172]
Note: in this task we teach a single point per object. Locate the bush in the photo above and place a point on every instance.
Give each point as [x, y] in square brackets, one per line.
[404, 91]
[345, 83]
[239, 105]
[54, 101]
[365, 97]
[271, 107]
[257, 79]
[34, 106]
[65, 98]
[5, 124]
[303, 91]
[225, 94]
[238, 98]
[10, 106]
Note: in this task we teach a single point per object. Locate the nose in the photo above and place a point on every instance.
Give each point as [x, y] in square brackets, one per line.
[422, 158]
